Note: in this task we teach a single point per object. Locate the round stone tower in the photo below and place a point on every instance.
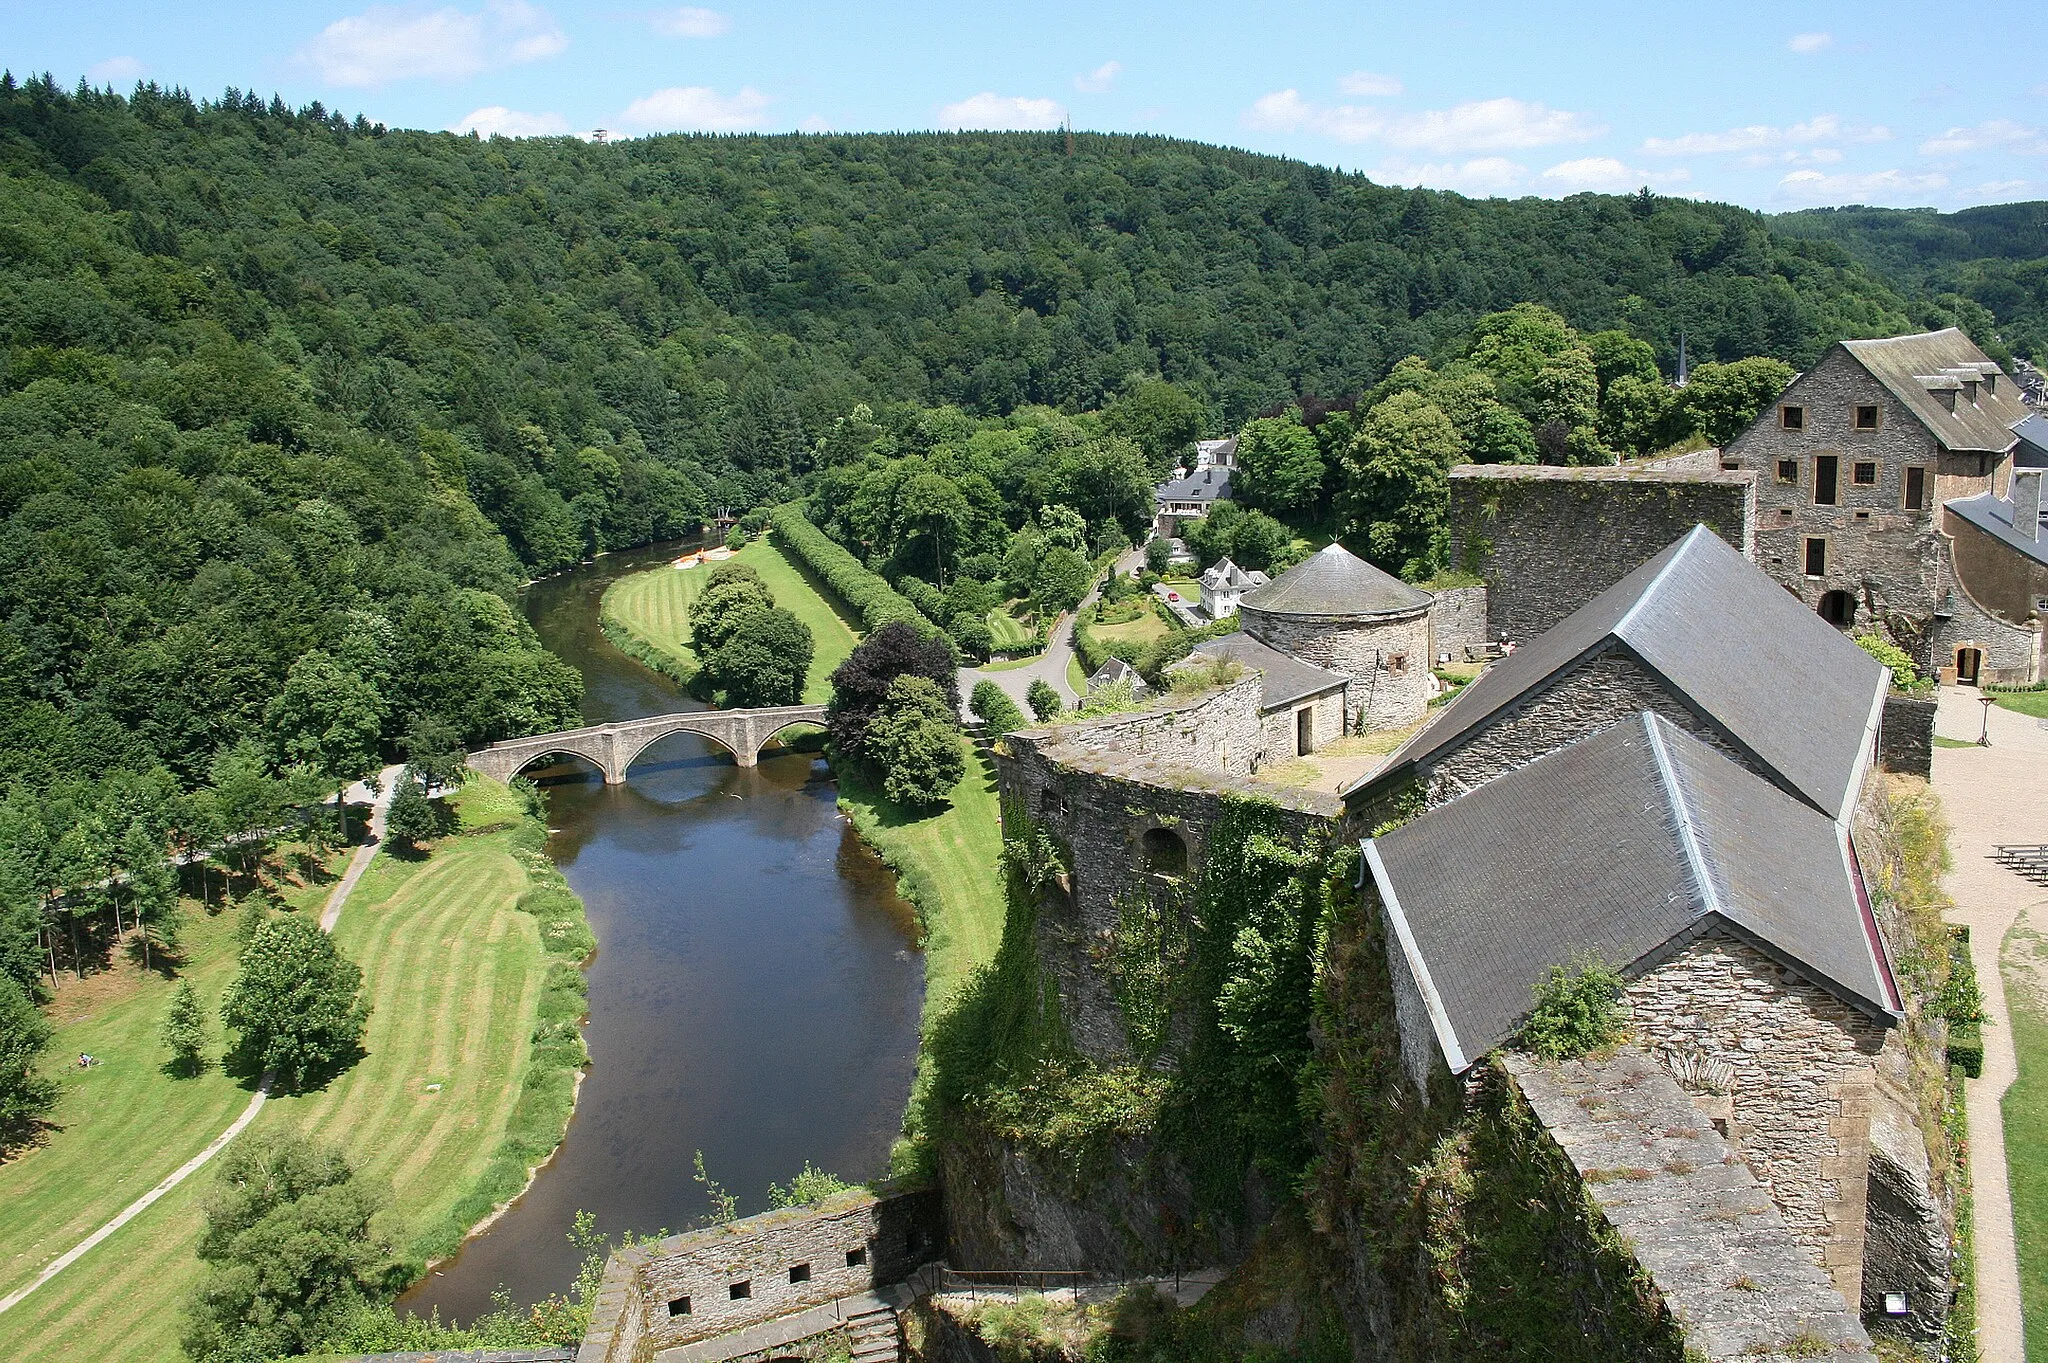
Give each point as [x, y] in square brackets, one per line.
[1339, 612]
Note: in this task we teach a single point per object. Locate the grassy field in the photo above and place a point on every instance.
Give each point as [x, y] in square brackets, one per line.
[1143, 630]
[1077, 676]
[2026, 1124]
[1008, 631]
[2033, 703]
[454, 971]
[653, 610]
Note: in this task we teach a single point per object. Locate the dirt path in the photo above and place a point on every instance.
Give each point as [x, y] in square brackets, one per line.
[387, 784]
[1985, 793]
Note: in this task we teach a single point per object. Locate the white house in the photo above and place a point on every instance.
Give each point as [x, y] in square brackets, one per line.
[1223, 585]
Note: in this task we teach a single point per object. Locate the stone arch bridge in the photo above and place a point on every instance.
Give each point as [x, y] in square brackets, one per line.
[613, 747]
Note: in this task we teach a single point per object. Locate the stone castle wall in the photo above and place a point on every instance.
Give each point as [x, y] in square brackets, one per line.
[1458, 620]
[1800, 1101]
[1280, 737]
[2011, 654]
[1388, 660]
[2002, 580]
[684, 1289]
[1905, 736]
[1548, 540]
[1217, 731]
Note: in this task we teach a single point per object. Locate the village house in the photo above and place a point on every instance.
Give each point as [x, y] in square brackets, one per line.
[1224, 585]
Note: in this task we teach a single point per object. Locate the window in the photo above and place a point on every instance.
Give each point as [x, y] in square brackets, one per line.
[1792, 418]
[679, 1306]
[1864, 473]
[1165, 853]
[1816, 558]
[1827, 471]
[800, 1273]
[1788, 470]
[741, 1291]
[1916, 489]
[856, 1257]
[1397, 664]
[1866, 417]
[1730, 465]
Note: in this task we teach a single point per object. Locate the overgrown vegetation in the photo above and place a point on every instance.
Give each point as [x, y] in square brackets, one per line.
[1577, 1011]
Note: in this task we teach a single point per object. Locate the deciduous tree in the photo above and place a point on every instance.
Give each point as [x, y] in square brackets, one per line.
[915, 739]
[296, 1003]
[26, 1095]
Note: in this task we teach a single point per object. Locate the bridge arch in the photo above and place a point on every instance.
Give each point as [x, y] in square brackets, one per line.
[630, 750]
[541, 759]
[615, 747]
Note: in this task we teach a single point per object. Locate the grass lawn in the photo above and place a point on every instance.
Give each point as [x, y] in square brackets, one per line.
[1942, 741]
[2033, 703]
[2026, 1124]
[1142, 630]
[653, 609]
[454, 972]
[1008, 631]
[1077, 675]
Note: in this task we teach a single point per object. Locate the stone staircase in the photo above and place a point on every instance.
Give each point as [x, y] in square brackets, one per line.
[873, 1336]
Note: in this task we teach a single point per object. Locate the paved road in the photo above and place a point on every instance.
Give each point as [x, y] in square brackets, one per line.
[1992, 795]
[1049, 666]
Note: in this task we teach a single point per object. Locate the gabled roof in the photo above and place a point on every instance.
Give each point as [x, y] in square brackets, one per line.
[1914, 368]
[1994, 516]
[1226, 575]
[1739, 649]
[1335, 581]
[1203, 485]
[1283, 679]
[1112, 672]
[1667, 839]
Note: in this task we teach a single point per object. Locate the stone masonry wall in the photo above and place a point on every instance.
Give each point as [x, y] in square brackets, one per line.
[2010, 653]
[1548, 540]
[1458, 620]
[1216, 732]
[2002, 580]
[681, 1289]
[1804, 1071]
[1281, 739]
[1905, 736]
[1388, 660]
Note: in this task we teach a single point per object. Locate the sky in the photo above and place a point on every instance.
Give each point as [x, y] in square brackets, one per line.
[1775, 106]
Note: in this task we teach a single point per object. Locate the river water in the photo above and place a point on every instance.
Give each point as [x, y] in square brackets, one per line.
[756, 989]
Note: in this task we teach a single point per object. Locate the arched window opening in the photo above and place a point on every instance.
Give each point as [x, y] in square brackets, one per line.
[1838, 609]
[1166, 854]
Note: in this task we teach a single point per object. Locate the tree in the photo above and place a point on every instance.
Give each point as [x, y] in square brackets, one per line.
[915, 740]
[724, 599]
[295, 1003]
[247, 798]
[993, 707]
[1397, 484]
[764, 658]
[433, 749]
[1158, 557]
[411, 819]
[25, 1094]
[932, 522]
[860, 685]
[1063, 526]
[328, 719]
[1720, 400]
[1162, 420]
[152, 889]
[289, 1250]
[1061, 579]
[1279, 466]
[184, 1030]
[1636, 414]
[1044, 701]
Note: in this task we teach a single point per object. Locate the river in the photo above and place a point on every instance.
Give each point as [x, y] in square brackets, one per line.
[756, 990]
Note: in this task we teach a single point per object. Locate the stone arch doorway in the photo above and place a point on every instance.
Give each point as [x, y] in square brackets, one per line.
[1969, 663]
[1166, 852]
[1838, 608]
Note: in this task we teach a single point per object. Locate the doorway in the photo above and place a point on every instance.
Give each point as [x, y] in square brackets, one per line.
[1969, 661]
[1838, 609]
[1305, 731]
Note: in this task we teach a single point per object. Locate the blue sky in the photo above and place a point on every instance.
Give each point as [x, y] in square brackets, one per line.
[1771, 105]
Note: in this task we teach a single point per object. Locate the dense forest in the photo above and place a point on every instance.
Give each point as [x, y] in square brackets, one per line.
[1986, 266]
[291, 403]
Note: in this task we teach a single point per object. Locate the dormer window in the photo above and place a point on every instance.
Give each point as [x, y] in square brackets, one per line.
[1792, 418]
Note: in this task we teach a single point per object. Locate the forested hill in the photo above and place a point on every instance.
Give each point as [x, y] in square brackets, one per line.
[1994, 257]
[276, 380]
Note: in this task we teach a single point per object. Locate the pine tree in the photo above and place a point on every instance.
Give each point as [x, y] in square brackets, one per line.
[184, 1030]
[411, 820]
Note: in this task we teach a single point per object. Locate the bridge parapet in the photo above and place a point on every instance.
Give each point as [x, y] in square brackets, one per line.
[612, 748]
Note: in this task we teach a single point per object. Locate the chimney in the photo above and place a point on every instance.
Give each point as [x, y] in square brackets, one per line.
[2026, 502]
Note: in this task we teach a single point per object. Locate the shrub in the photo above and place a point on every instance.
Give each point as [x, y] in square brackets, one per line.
[1578, 1011]
[992, 706]
[295, 1003]
[875, 601]
[808, 1187]
[1905, 677]
[1044, 701]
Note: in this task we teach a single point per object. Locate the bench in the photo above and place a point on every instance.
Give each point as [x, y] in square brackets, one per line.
[2029, 860]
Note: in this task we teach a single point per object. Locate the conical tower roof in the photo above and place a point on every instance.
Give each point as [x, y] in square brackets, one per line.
[1335, 581]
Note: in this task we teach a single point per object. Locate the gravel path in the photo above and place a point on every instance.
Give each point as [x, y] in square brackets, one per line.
[1991, 796]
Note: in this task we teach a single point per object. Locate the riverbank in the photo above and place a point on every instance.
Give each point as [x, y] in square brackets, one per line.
[647, 616]
[468, 960]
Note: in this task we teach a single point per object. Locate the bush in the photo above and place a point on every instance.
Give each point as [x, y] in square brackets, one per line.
[1905, 677]
[1961, 1003]
[992, 706]
[915, 740]
[1578, 1011]
[873, 600]
[808, 1187]
[1044, 701]
[295, 1003]
[25, 1095]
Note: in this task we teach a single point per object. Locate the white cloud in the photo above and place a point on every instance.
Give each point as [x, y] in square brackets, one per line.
[1882, 186]
[691, 22]
[1811, 42]
[1370, 85]
[814, 123]
[696, 108]
[1824, 128]
[1485, 175]
[495, 120]
[1002, 112]
[1098, 81]
[2000, 134]
[1482, 125]
[1606, 175]
[115, 71]
[387, 42]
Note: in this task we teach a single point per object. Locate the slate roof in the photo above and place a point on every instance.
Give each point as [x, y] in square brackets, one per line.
[1900, 363]
[1993, 515]
[1667, 838]
[1739, 649]
[1225, 574]
[1114, 671]
[1283, 679]
[1211, 451]
[1203, 485]
[1335, 581]
[2033, 447]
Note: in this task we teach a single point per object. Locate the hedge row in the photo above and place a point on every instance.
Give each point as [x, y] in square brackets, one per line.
[871, 598]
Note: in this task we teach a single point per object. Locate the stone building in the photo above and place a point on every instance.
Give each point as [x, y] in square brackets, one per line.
[1670, 781]
[1188, 497]
[1860, 465]
[1339, 613]
[1301, 706]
